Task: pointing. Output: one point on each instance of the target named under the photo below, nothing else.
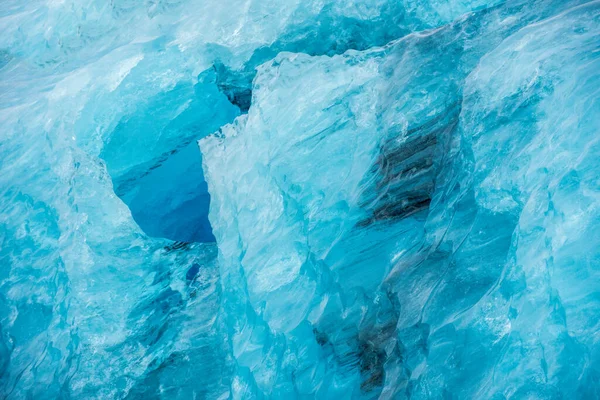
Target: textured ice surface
(403, 195)
(414, 220)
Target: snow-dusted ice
(300, 199)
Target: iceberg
(322, 199)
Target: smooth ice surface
(402, 199)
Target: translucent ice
(412, 220)
(403, 199)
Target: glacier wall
(402, 199)
(404, 221)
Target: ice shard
(383, 216)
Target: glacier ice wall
(405, 221)
(402, 199)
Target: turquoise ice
(286, 199)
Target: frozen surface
(402, 195)
(418, 220)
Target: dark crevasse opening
(172, 200)
(156, 166)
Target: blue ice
(299, 199)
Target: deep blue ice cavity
(172, 199)
(154, 162)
